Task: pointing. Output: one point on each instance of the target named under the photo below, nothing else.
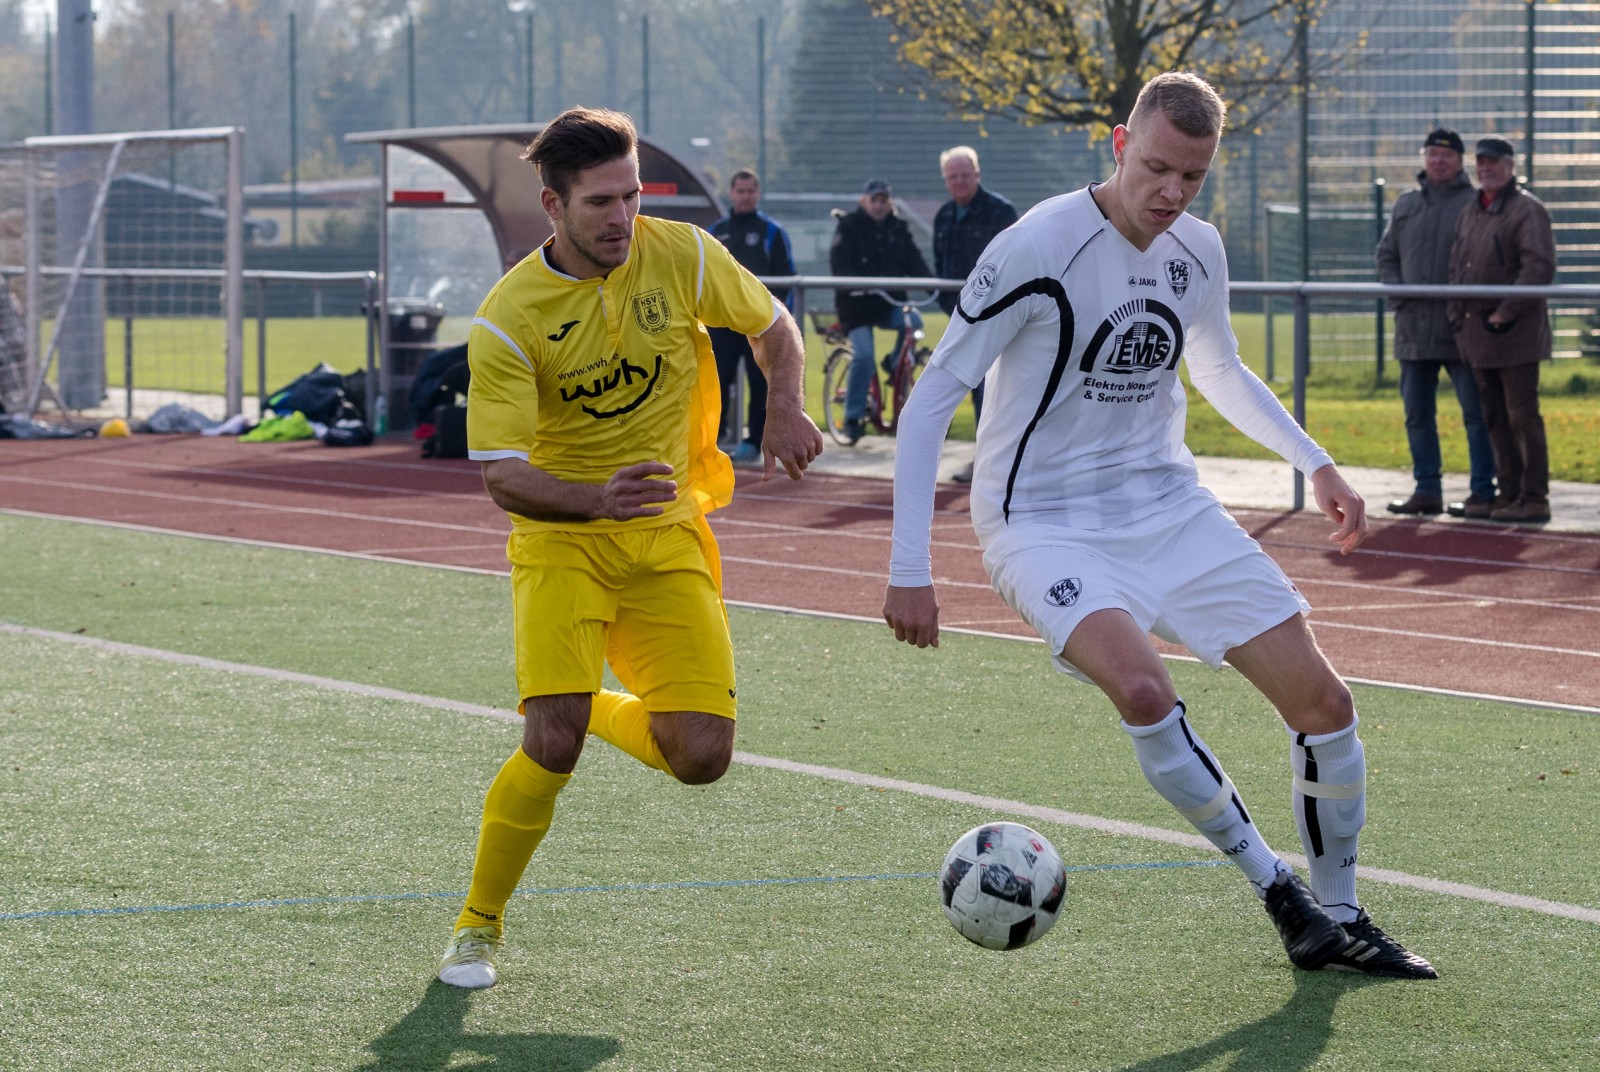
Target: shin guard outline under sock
(516, 815)
(1330, 808)
(1183, 770)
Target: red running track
(1477, 609)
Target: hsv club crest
(651, 313)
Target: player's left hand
(1341, 503)
(790, 439)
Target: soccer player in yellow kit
(594, 410)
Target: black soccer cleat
(1311, 937)
(1371, 952)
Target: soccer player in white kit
(1094, 525)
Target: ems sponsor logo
(651, 313)
(1139, 337)
(1064, 593)
(619, 376)
(1178, 276)
(982, 280)
(1144, 346)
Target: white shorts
(1190, 575)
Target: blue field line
(641, 887)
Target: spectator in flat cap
(1415, 248)
(871, 241)
(1503, 236)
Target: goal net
(128, 293)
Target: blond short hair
(1188, 101)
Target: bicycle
(903, 367)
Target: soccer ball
(1002, 885)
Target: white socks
(1330, 806)
(1183, 770)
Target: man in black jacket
(760, 244)
(871, 241)
(964, 226)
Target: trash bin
(413, 334)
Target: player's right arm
(910, 606)
(633, 491)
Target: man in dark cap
(1503, 236)
(1415, 248)
(871, 241)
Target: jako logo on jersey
(1064, 593)
(983, 279)
(1178, 276)
(1140, 281)
(568, 326)
(1143, 335)
(651, 313)
(621, 376)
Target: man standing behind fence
(964, 226)
(1415, 248)
(1504, 236)
(761, 245)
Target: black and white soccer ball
(1002, 885)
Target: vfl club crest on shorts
(651, 313)
(1064, 593)
(1178, 276)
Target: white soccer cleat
(469, 959)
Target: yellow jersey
(580, 377)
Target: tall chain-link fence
(813, 93)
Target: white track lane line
(1520, 701)
(993, 804)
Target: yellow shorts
(647, 601)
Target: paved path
(1260, 484)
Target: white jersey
(1076, 335)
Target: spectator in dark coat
(963, 228)
(871, 241)
(1415, 248)
(1504, 236)
(760, 244)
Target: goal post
(134, 228)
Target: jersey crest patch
(983, 279)
(651, 313)
(1178, 276)
(1064, 593)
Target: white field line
(993, 804)
(247, 504)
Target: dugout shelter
(432, 263)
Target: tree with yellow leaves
(1080, 63)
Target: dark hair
(576, 140)
(744, 173)
(1188, 102)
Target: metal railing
(1302, 294)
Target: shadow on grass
(1290, 1039)
(433, 1035)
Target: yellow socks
(516, 815)
(622, 720)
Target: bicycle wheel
(906, 370)
(835, 379)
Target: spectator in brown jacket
(1504, 237)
